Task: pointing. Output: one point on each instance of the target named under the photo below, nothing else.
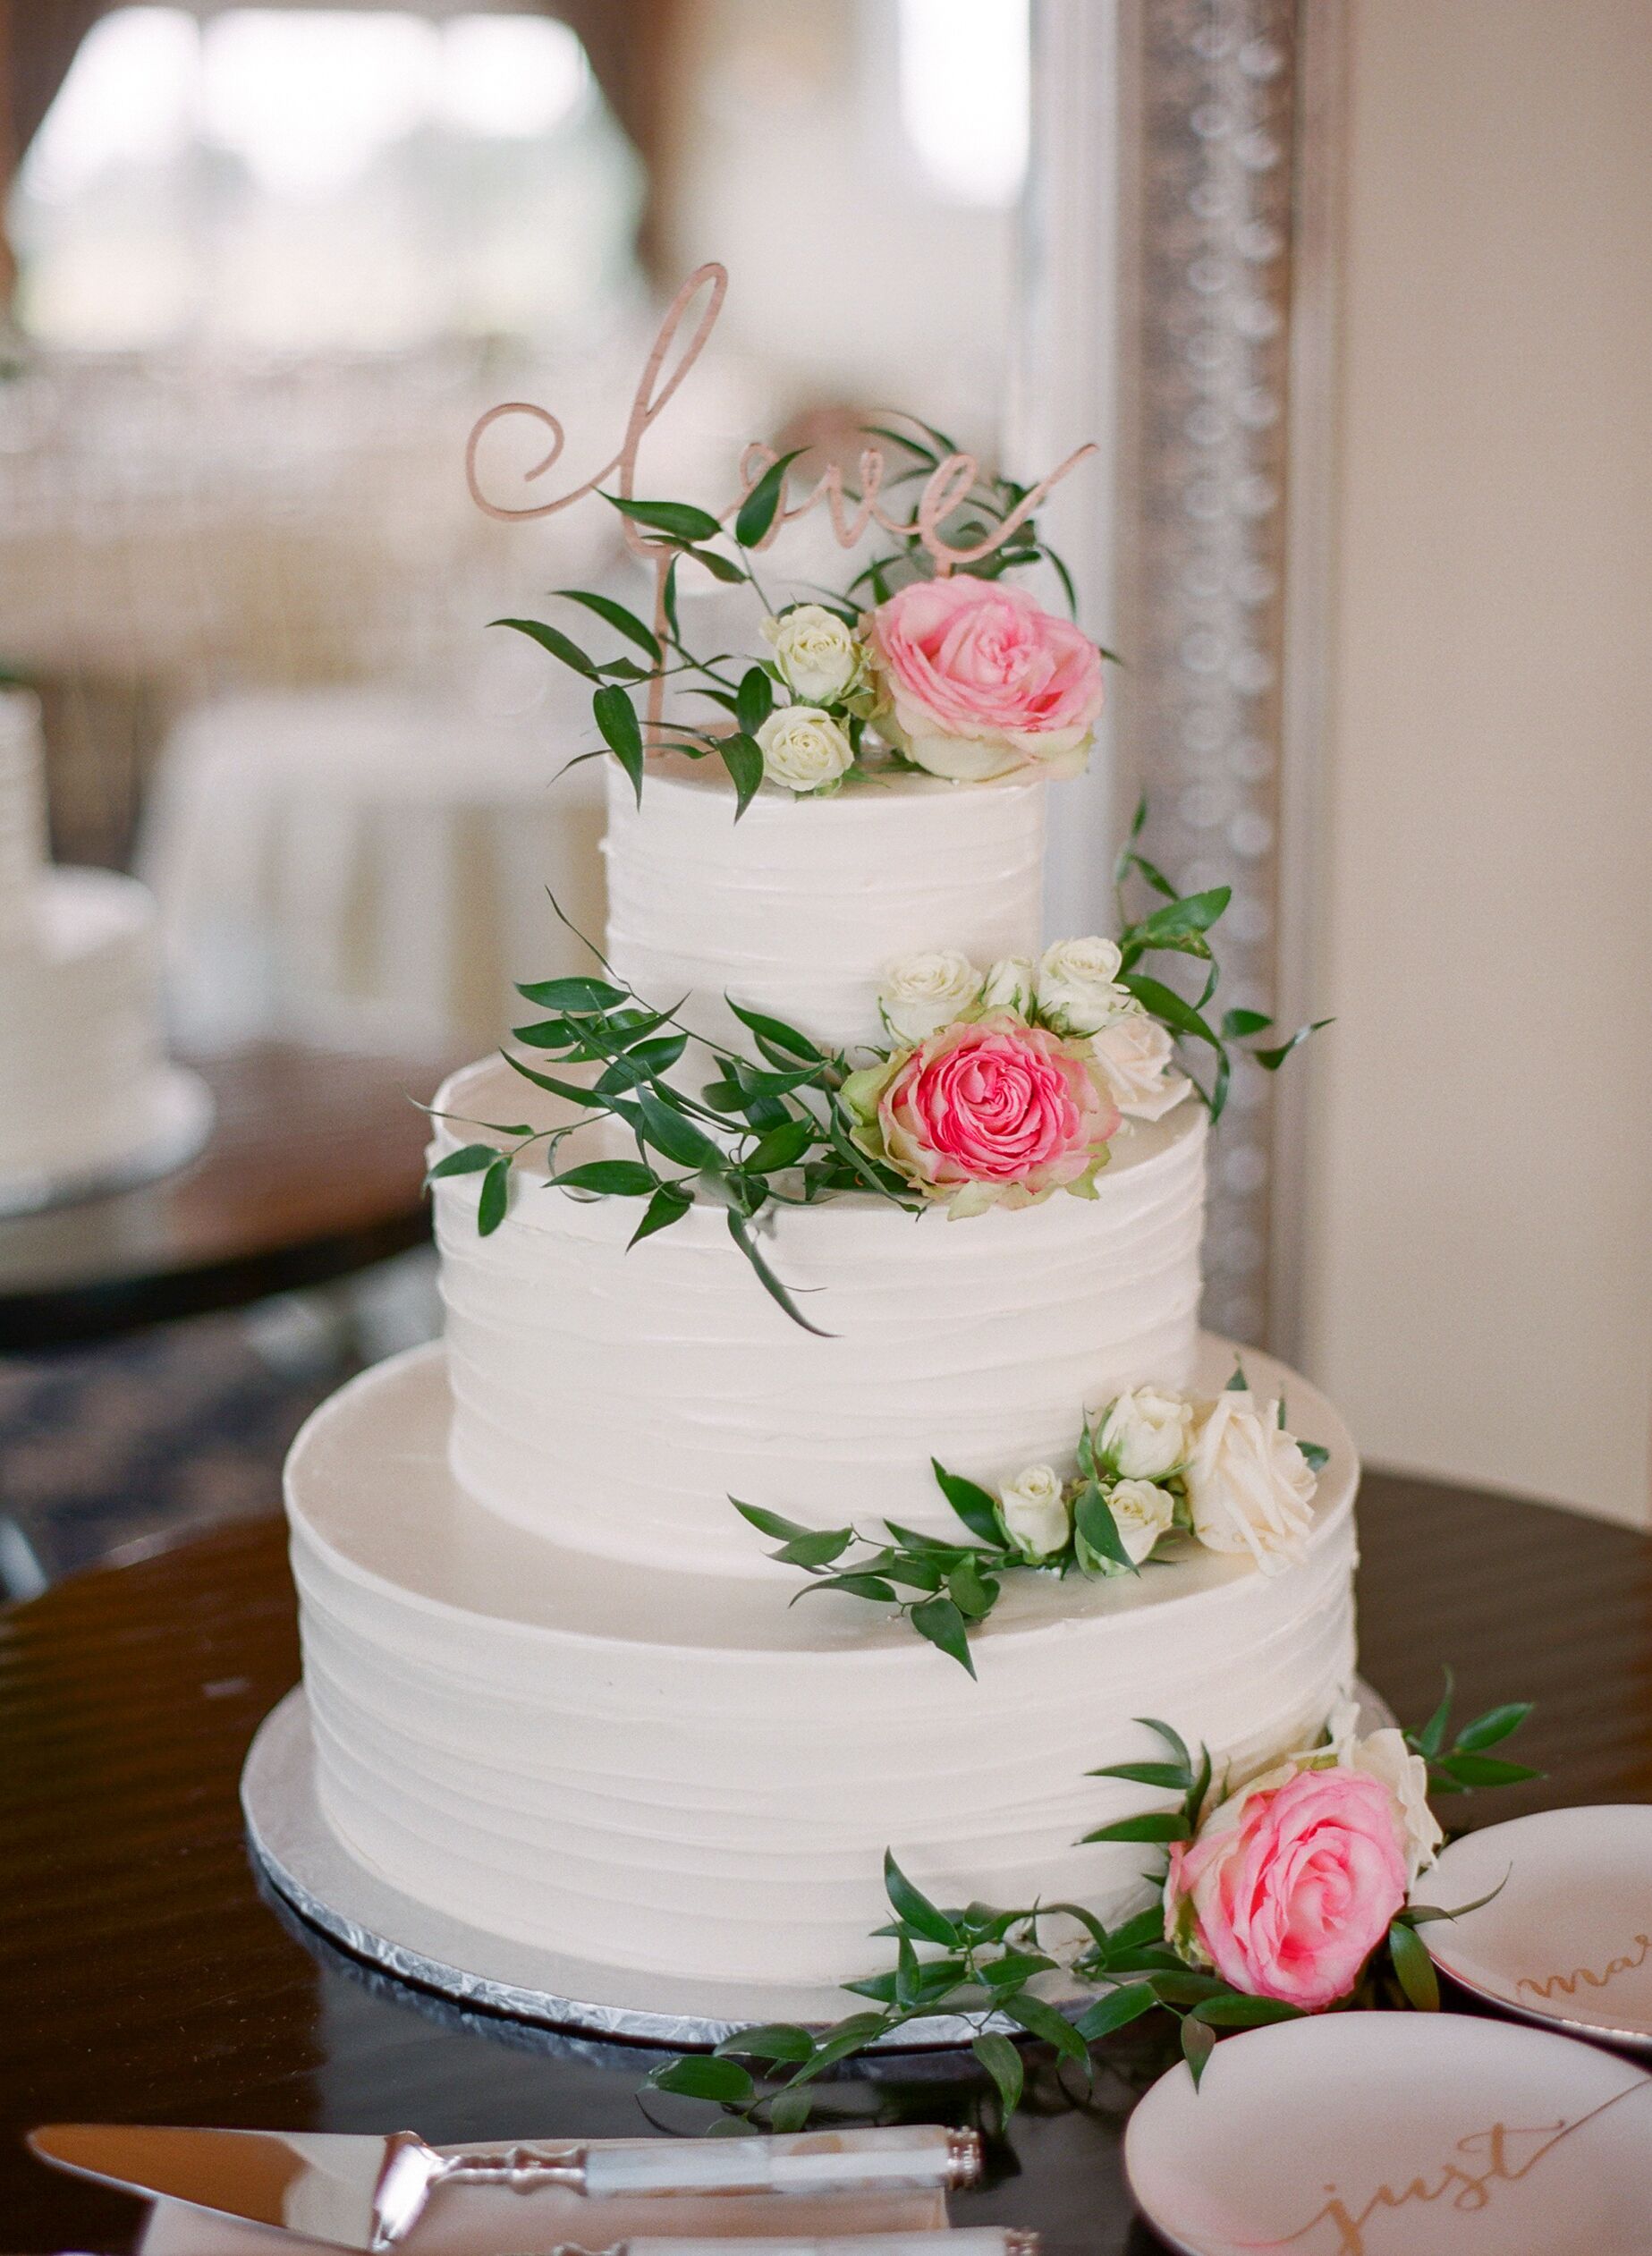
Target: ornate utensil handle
(922, 2157)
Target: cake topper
(950, 483)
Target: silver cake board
(184, 1115)
(356, 1908)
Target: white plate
(1569, 1939)
(1398, 2135)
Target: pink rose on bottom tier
(986, 1112)
(1290, 1884)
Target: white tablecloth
(368, 867)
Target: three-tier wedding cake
(832, 1238)
(87, 1099)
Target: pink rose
(986, 1111)
(1290, 1886)
(976, 680)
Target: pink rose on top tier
(986, 1112)
(975, 681)
(1290, 1886)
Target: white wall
(1480, 1296)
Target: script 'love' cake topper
(968, 678)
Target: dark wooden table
(144, 1976)
(314, 1170)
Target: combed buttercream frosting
(614, 1402)
(796, 909)
(682, 1774)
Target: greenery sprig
(953, 1586)
(978, 1964)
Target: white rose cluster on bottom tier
(660, 1773)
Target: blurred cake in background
(87, 1099)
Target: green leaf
(755, 701)
(720, 567)
(581, 996)
(973, 1593)
(775, 1031)
(1174, 1776)
(940, 1621)
(680, 520)
(910, 1904)
(1114, 2011)
(1198, 2043)
(668, 1130)
(789, 2110)
(1431, 1738)
(1178, 921)
(1485, 1770)
(1003, 2064)
(819, 1547)
(1414, 1967)
(705, 2076)
(758, 509)
(744, 762)
(1238, 2012)
(616, 718)
(668, 602)
(1164, 1003)
(494, 1196)
(1015, 1968)
(619, 618)
(772, 1523)
(1420, 1915)
(770, 2040)
(1487, 1730)
(766, 1278)
(611, 1178)
(1315, 1456)
(1040, 2020)
(1271, 1060)
(1151, 1825)
(1174, 1740)
(871, 1587)
(470, 1159)
(1237, 1024)
(1094, 1525)
(974, 1506)
(668, 1205)
(782, 1147)
(555, 642)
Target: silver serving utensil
(368, 2193)
(973, 2240)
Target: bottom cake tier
(688, 1777)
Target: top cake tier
(797, 908)
(22, 811)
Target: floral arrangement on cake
(952, 670)
(1158, 1470)
(998, 1087)
(1289, 1891)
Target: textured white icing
(82, 1073)
(682, 1775)
(614, 1402)
(797, 908)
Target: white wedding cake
(87, 1098)
(556, 1686)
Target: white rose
(920, 994)
(820, 659)
(1248, 1486)
(1147, 1433)
(1078, 992)
(1036, 1516)
(804, 748)
(1133, 1055)
(1385, 1756)
(1010, 984)
(1142, 1512)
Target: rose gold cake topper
(943, 492)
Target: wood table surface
(314, 1170)
(145, 1976)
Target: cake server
(368, 2192)
(974, 2240)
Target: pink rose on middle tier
(977, 681)
(986, 1112)
(1290, 1886)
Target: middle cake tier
(612, 1402)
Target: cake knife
(973, 2240)
(368, 2193)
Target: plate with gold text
(1398, 2135)
(1567, 1939)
